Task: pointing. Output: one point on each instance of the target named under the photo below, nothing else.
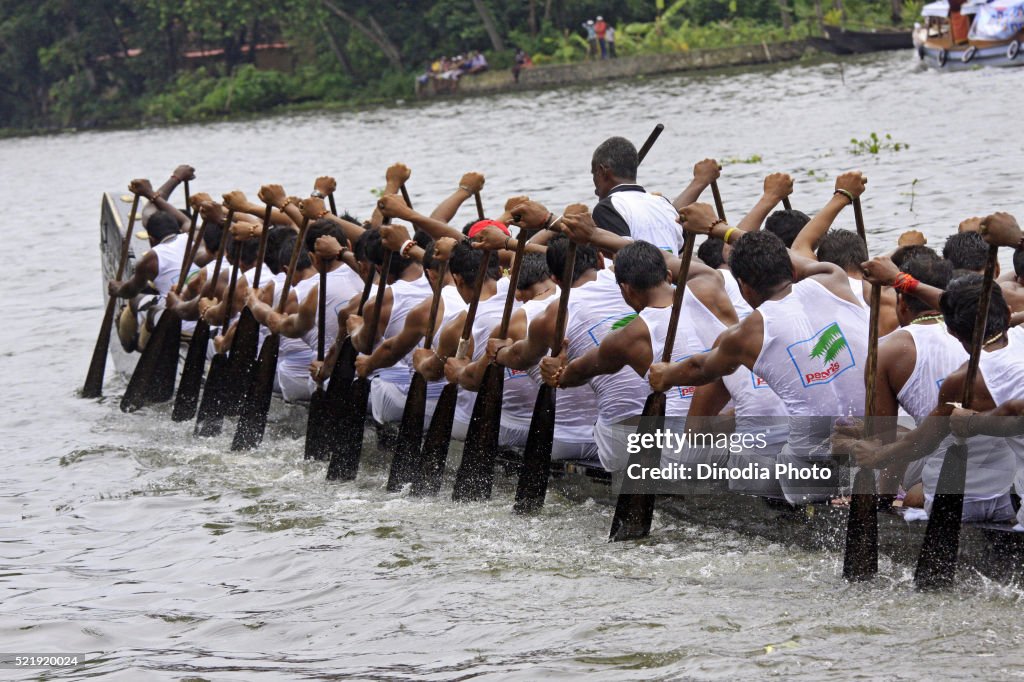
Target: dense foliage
(99, 62)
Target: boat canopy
(938, 9)
(999, 20)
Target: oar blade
(241, 361)
(187, 399)
(210, 416)
(533, 477)
(475, 477)
(344, 464)
(936, 564)
(325, 432)
(252, 420)
(427, 483)
(140, 387)
(161, 387)
(314, 446)
(860, 561)
(93, 386)
(635, 511)
(406, 461)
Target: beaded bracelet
(905, 283)
(845, 193)
(711, 228)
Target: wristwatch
(317, 193)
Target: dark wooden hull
(847, 41)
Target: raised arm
(469, 184)
(736, 346)
(396, 175)
(393, 206)
(777, 186)
(848, 187)
(704, 173)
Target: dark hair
(1018, 262)
(375, 254)
(966, 251)
(710, 252)
(422, 239)
(558, 248)
(285, 254)
(930, 269)
(533, 269)
(350, 218)
(249, 251)
(471, 223)
(844, 248)
(618, 155)
(465, 262)
(359, 248)
(641, 265)
(905, 253)
(959, 306)
(162, 225)
(278, 235)
(211, 237)
(760, 260)
(324, 228)
(786, 224)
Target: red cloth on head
(479, 225)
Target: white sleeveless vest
(520, 392)
(650, 218)
(296, 354)
(677, 399)
(596, 308)
(169, 257)
(1003, 373)
(405, 296)
(732, 290)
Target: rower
(807, 339)
(535, 290)
(999, 379)
(531, 335)
(406, 288)
(912, 364)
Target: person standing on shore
(609, 39)
(600, 29)
(588, 26)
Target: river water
(165, 557)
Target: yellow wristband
(728, 233)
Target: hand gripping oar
(345, 465)
(252, 420)
(213, 406)
(533, 477)
(314, 448)
(475, 477)
(406, 462)
(860, 561)
(191, 382)
(936, 564)
(634, 511)
(93, 387)
(153, 378)
(435, 445)
(246, 340)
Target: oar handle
(677, 298)
(385, 268)
(321, 321)
(478, 285)
(405, 195)
(126, 245)
(367, 287)
(563, 298)
(190, 256)
(651, 139)
(435, 304)
(287, 287)
(230, 298)
(871, 366)
(479, 205)
(513, 281)
(188, 207)
(980, 322)
(186, 261)
(858, 217)
(261, 254)
(786, 204)
(330, 202)
(223, 245)
(719, 206)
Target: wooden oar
(860, 561)
(406, 462)
(93, 387)
(345, 466)
(191, 382)
(634, 511)
(252, 420)
(535, 472)
(719, 206)
(335, 395)
(533, 475)
(936, 564)
(314, 448)
(246, 340)
(188, 207)
(153, 378)
(212, 407)
(786, 204)
(475, 477)
(435, 445)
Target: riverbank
(599, 71)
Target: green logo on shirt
(830, 344)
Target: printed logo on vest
(515, 373)
(609, 324)
(685, 392)
(757, 381)
(823, 357)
